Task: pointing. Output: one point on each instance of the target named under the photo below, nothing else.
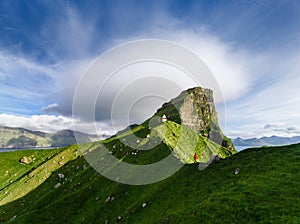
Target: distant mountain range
(271, 141)
(23, 138)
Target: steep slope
(188, 124)
(264, 191)
(18, 179)
(174, 138)
(184, 142)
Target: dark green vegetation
(266, 190)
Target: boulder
(236, 171)
(61, 176)
(57, 185)
(25, 160)
(109, 199)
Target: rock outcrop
(195, 108)
(198, 110)
(26, 160)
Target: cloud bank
(51, 123)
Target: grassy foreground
(266, 190)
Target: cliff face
(198, 110)
(195, 109)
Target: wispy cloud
(23, 81)
(70, 34)
(273, 99)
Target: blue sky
(252, 48)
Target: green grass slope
(184, 142)
(266, 190)
(17, 179)
(166, 137)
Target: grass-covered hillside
(23, 138)
(178, 139)
(17, 178)
(266, 190)
(60, 186)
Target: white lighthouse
(164, 118)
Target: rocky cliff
(195, 109)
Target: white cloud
(274, 102)
(44, 123)
(69, 34)
(257, 131)
(231, 67)
(51, 123)
(15, 64)
(227, 64)
(24, 82)
(51, 108)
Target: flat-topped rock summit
(195, 109)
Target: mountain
(23, 138)
(60, 186)
(191, 127)
(273, 141)
(195, 109)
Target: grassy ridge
(164, 139)
(265, 191)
